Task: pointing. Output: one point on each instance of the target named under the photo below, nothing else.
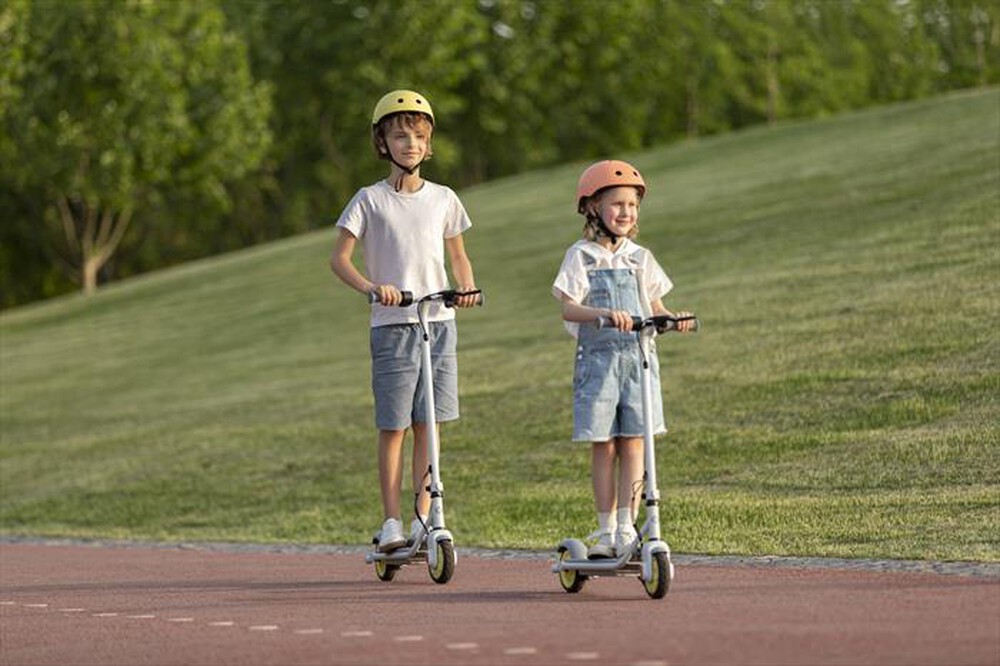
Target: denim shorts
(607, 392)
(396, 380)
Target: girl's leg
(602, 471)
(390, 470)
(631, 464)
(419, 471)
(603, 475)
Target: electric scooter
(434, 543)
(648, 555)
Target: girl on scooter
(606, 274)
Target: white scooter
(434, 543)
(648, 555)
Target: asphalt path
(103, 603)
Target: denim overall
(607, 380)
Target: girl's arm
(659, 309)
(461, 270)
(582, 314)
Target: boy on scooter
(406, 225)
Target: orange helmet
(608, 173)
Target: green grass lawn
(840, 400)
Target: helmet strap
(407, 171)
(602, 229)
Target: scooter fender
(432, 550)
(648, 549)
(576, 549)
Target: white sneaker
(416, 530)
(391, 537)
(624, 538)
(605, 546)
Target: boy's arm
(461, 270)
(340, 263)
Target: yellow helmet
(401, 100)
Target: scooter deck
(601, 567)
(402, 555)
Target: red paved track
(69, 604)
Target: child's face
(619, 209)
(408, 142)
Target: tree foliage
(191, 128)
(119, 102)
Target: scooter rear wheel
(443, 570)
(384, 571)
(659, 582)
(571, 580)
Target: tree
(121, 103)
(967, 36)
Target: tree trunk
(773, 86)
(92, 235)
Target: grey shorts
(396, 380)
(607, 392)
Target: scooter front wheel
(659, 581)
(571, 579)
(444, 568)
(384, 571)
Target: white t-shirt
(584, 256)
(403, 238)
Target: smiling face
(618, 208)
(406, 137)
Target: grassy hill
(841, 399)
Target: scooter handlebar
(663, 323)
(448, 297)
(407, 301)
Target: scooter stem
(646, 336)
(436, 518)
(649, 450)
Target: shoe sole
(391, 546)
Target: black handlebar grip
(407, 298)
(453, 295)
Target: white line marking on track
(308, 631)
(408, 639)
(72, 610)
(145, 616)
(355, 634)
(583, 656)
(8, 603)
(652, 662)
(36, 605)
(180, 619)
(462, 646)
(264, 627)
(105, 615)
(521, 650)
(222, 623)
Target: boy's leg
(420, 480)
(390, 470)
